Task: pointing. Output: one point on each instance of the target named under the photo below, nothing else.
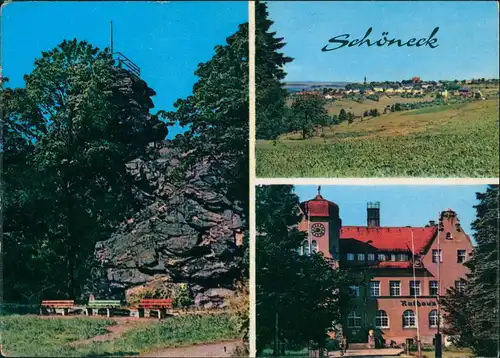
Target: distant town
(414, 87)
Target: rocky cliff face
(188, 232)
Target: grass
(32, 336)
(434, 109)
(454, 141)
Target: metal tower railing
(123, 61)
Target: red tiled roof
(318, 206)
(390, 238)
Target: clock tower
(322, 223)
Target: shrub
(182, 297)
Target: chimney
(373, 214)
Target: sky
(467, 39)
(400, 205)
(167, 40)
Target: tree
(302, 292)
(350, 117)
(342, 115)
(269, 62)
(85, 119)
(466, 313)
(217, 118)
(309, 112)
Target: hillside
(450, 140)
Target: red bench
(159, 305)
(53, 304)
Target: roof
(389, 238)
(318, 207)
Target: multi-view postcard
(377, 89)
(122, 233)
(173, 179)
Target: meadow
(33, 336)
(452, 140)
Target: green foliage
(271, 118)
(183, 297)
(466, 316)
(217, 116)
(304, 291)
(69, 133)
(309, 112)
(342, 115)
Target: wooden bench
(159, 305)
(65, 305)
(94, 306)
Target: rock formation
(187, 232)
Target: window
(305, 248)
(375, 288)
(433, 288)
(448, 236)
(314, 246)
(409, 319)
(350, 257)
(461, 256)
(353, 320)
(381, 257)
(435, 255)
(393, 257)
(361, 257)
(381, 320)
(433, 318)
(354, 290)
(395, 288)
(371, 257)
(402, 257)
(414, 288)
(460, 285)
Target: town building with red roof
(405, 269)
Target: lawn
(37, 337)
(450, 141)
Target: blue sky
(467, 38)
(400, 205)
(166, 40)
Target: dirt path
(220, 349)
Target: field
(86, 337)
(454, 140)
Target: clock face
(318, 230)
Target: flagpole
(415, 295)
(437, 340)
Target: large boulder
(186, 232)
